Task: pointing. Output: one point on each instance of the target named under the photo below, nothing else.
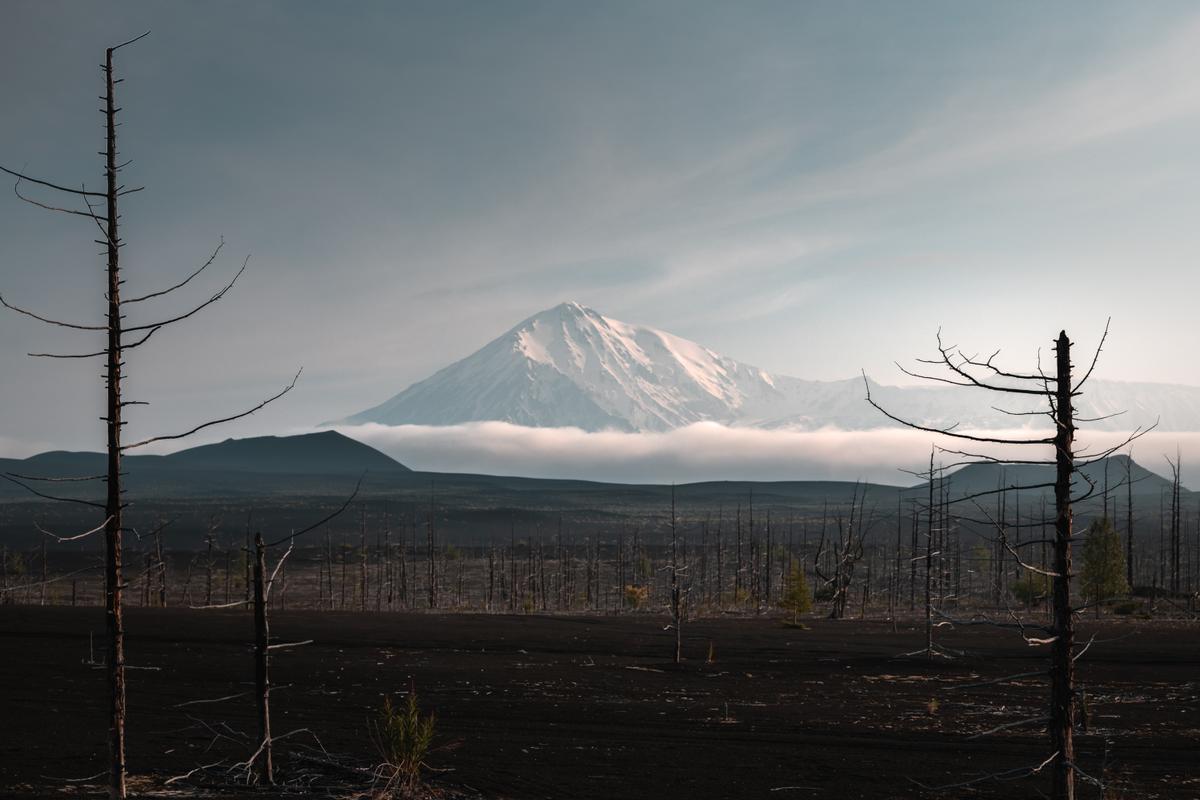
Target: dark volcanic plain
(591, 707)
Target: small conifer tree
(1103, 575)
(797, 598)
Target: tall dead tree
(262, 686)
(263, 758)
(1129, 521)
(844, 553)
(676, 588)
(101, 209)
(1058, 390)
(1175, 529)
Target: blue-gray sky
(809, 187)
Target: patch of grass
(636, 596)
(1127, 608)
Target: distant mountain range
(287, 482)
(571, 366)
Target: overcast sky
(809, 187)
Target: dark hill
(984, 477)
(263, 465)
(325, 453)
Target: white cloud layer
(705, 451)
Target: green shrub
(1031, 588)
(403, 737)
(1103, 575)
(797, 598)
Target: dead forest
(325, 659)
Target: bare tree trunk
(737, 575)
(720, 563)
(342, 557)
(329, 569)
(1062, 677)
(388, 570)
(208, 568)
(380, 561)
(162, 569)
(929, 569)
(912, 564)
(767, 561)
(283, 583)
(433, 578)
(676, 598)
(113, 506)
(262, 685)
(246, 559)
(362, 546)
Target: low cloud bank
(706, 451)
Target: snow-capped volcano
(571, 366)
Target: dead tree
(676, 588)
(262, 687)
(362, 547)
(720, 561)
(1175, 529)
(844, 553)
(101, 210)
(247, 557)
(1129, 521)
(263, 757)
(162, 567)
(1058, 390)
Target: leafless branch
(214, 700)
(76, 538)
(233, 604)
(49, 321)
(209, 424)
(182, 283)
(1095, 357)
(57, 480)
(1020, 675)
(45, 496)
(195, 310)
(1003, 535)
(947, 431)
(24, 177)
(99, 353)
(1008, 725)
(328, 518)
(131, 41)
(190, 773)
(32, 202)
(23, 586)
(1007, 775)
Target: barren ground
(587, 707)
